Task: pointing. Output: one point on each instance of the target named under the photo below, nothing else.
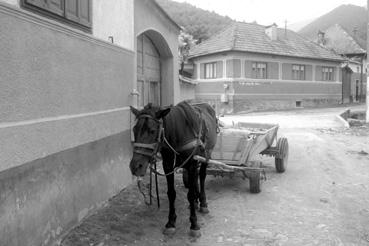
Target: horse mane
(190, 115)
(149, 109)
(181, 122)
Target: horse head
(147, 132)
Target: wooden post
(367, 68)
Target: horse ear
(134, 111)
(162, 113)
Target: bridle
(151, 150)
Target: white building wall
(114, 18)
(12, 2)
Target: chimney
(321, 38)
(271, 31)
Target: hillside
(348, 16)
(201, 24)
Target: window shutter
(248, 69)
(308, 72)
(38, 3)
(236, 68)
(219, 69)
(53, 6)
(286, 71)
(56, 7)
(85, 12)
(78, 11)
(194, 74)
(318, 73)
(202, 70)
(334, 74)
(272, 70)
(229, 68)
(71, 10)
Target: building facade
(252, 67)
(353, 51)
(69, 72)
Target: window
(210, 70)
(298, 72)
(73, 12)
(327, 73)
(259, 70)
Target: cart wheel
(254, 181)
(281, 159)
(185, 178)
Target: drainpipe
(362, 79)
(367, 73)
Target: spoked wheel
(185, 178)
(281, 159)
(254, 181)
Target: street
(321, 199)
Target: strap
(143, 152)
(146, 146)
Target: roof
(337, 38)
(250, 37)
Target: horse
(178, 133)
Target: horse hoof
(195, 233)
(169, 231)
(204, 210)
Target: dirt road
(322, 198)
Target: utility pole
(366, 65)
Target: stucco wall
(114, 18)
(164, 34)
(242, 94)
(110, 18)
(64, 125)
(12, 2)
(187, 91)
(272, 61)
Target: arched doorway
(156, 70)
(148, 72)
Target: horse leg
(170, 227)
(191, 196)
(203, 204)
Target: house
(353, 50)
(69, 72)
(249, 66)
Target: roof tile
(241, 36)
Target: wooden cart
(237, 146)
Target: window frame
(299, 73)
(60, 18)
(213, 70)
(258, 72)
(328, 75)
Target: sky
(266, 12)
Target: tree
(185, 41)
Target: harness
(152, 149)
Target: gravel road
(322, 198)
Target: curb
(342, 120)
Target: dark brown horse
(178, 133)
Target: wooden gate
(346, 84)
(148, 72)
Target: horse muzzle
(138, 167)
